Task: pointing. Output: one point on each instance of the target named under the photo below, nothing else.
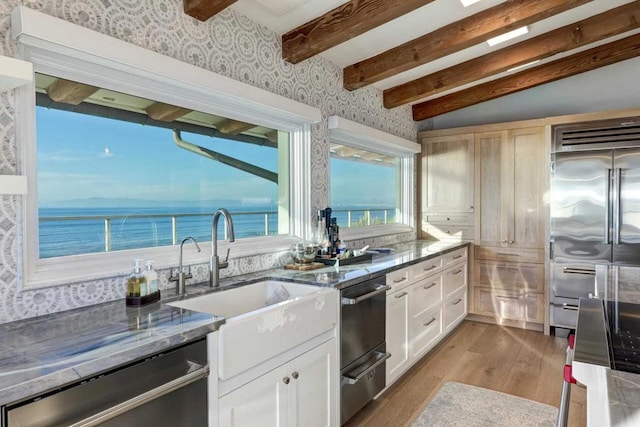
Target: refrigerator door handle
(617, 219)
(607, 210)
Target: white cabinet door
(262, 402)
(312, 387)
(397, 333)
(300, 393)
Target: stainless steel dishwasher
(362, 344)
(167, 389)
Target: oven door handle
(352, 378)
(356, 300)
(153, 394)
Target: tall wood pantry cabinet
(488, 187)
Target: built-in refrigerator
(594, 208)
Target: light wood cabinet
(447, 174)
(509, 167)
(298, 393)
(397, 333)
(505, 220)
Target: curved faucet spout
(215, 265)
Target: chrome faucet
(215, 264)
(182, 277)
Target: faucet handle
(225, 263)
(174, 276)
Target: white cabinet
(298, 393)
(422, 306)
(397, 333)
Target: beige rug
(462, 405)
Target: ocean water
(149, 227)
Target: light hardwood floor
(514, 361)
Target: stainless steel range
(362, 345)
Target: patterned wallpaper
(229, 44)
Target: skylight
(508, 36)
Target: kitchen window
(63, 51)
(118, 172)
(371, 177)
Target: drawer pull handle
(571, 307)
(430, 268)
(429, 322)
(401, 295)
(457, 257)
(457, 272)
(506, 297)
(402, 279)
(457, 302)
(506, 254)
(430, 286)
(587, 271)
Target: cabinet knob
(295, 375)
(286, 380)
(470, 207)
(509, 241)
(448, 219)
(504, 241)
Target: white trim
(356, 135)
(358, 233)
(13, 184)
(62, 49)
(14, 73)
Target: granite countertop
(40, 354)
(623, 391)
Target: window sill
(83, 268)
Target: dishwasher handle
(153, 394)
(352, 378)
(358, 299)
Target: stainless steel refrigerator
(594, 208)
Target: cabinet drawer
(524, 306)
(399, 279)
(454, 257)
(455, 309)
(425, 294)
(447, 233)
(426, 268)
(454, 278)
(443, 219)
(510, 276)
(509, 254)
(425, 329)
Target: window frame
(346, 132)
(63, 49)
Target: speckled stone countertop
(40, 354)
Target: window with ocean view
(364, 187)
(118, 172)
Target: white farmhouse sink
(265, 319)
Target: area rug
(462, 405)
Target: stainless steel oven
(169, 388)
(362, 344)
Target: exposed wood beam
(165, 112)
(341, 24)
(70, 92)
(599, 27)
(205, 9)
(234, 127)
(587, 60)
(452, 38)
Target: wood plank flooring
(514, 361)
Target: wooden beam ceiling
(587, 60)
(165, 112)
(452, 38)
(341, 24)
(69, 92)
(205, 9)
(234, 127)
(599, 27)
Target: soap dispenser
(152, 277)
(135, 280)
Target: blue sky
(82, 156)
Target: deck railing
(365, 217)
